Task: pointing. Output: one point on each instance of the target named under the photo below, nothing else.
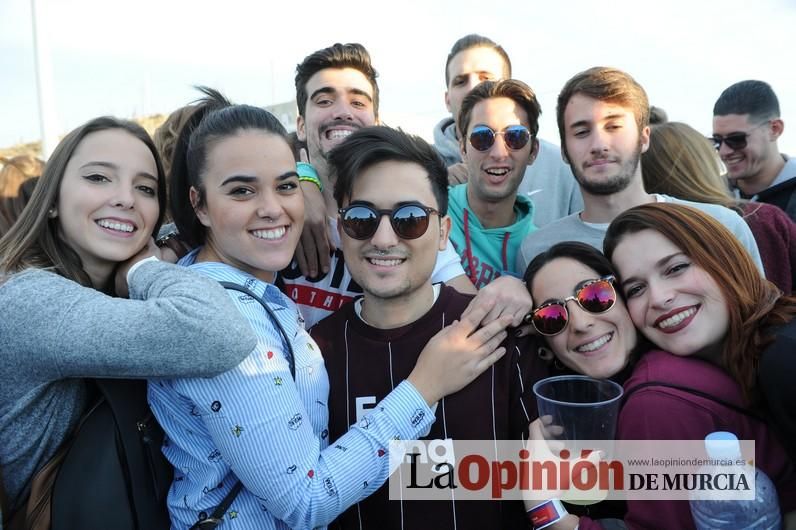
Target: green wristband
(307, 173)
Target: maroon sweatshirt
(661, 413)
(365, 364)
(775, 235)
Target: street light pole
(48, 120)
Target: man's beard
(615, 184)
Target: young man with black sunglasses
(499, 121)
(746, 127)
(603, 121)
(390, 235)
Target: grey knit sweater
(53, 332)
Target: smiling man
(390, 235)
(499, 121)
(603, 120)
(746, 127)
(472, 60)
(337, 94)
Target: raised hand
(457, 174)
(508, 297)
(312, 252)
(458, 354)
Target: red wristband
(545, 514)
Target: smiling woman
(667, 397)
(94, 211)
(585, 322)
(697, 299)
(95, 204)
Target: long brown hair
(682, 163)
(33, 241)
(754, 304)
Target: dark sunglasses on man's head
(409, 221)
(735, 140)
(595, 296)
(482, 138)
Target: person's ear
(645, 139)
(777, 128)
(444, 230)
(534, 151)
(463, 147)
(199, 209)
(564, 156)
(301, 132)
(448, 103)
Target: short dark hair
(604, 84)
(476, 41)
(371, 145)
(351, 55)
(752, 97)
(658, 116)
(214, 119)
(515, 90)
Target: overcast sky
(137, 58)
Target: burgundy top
(364, 363)
(661, 413)
(775, 234)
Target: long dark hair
(214, 119)
(33, 240)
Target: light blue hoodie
(487, 252)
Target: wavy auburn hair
(755, 305)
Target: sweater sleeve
(744, 235)
(776, 374)
(175, 324)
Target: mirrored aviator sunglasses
(482, 138)
(595, 296)
(409, 221)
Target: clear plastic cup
(579, 414)
(584, 408)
